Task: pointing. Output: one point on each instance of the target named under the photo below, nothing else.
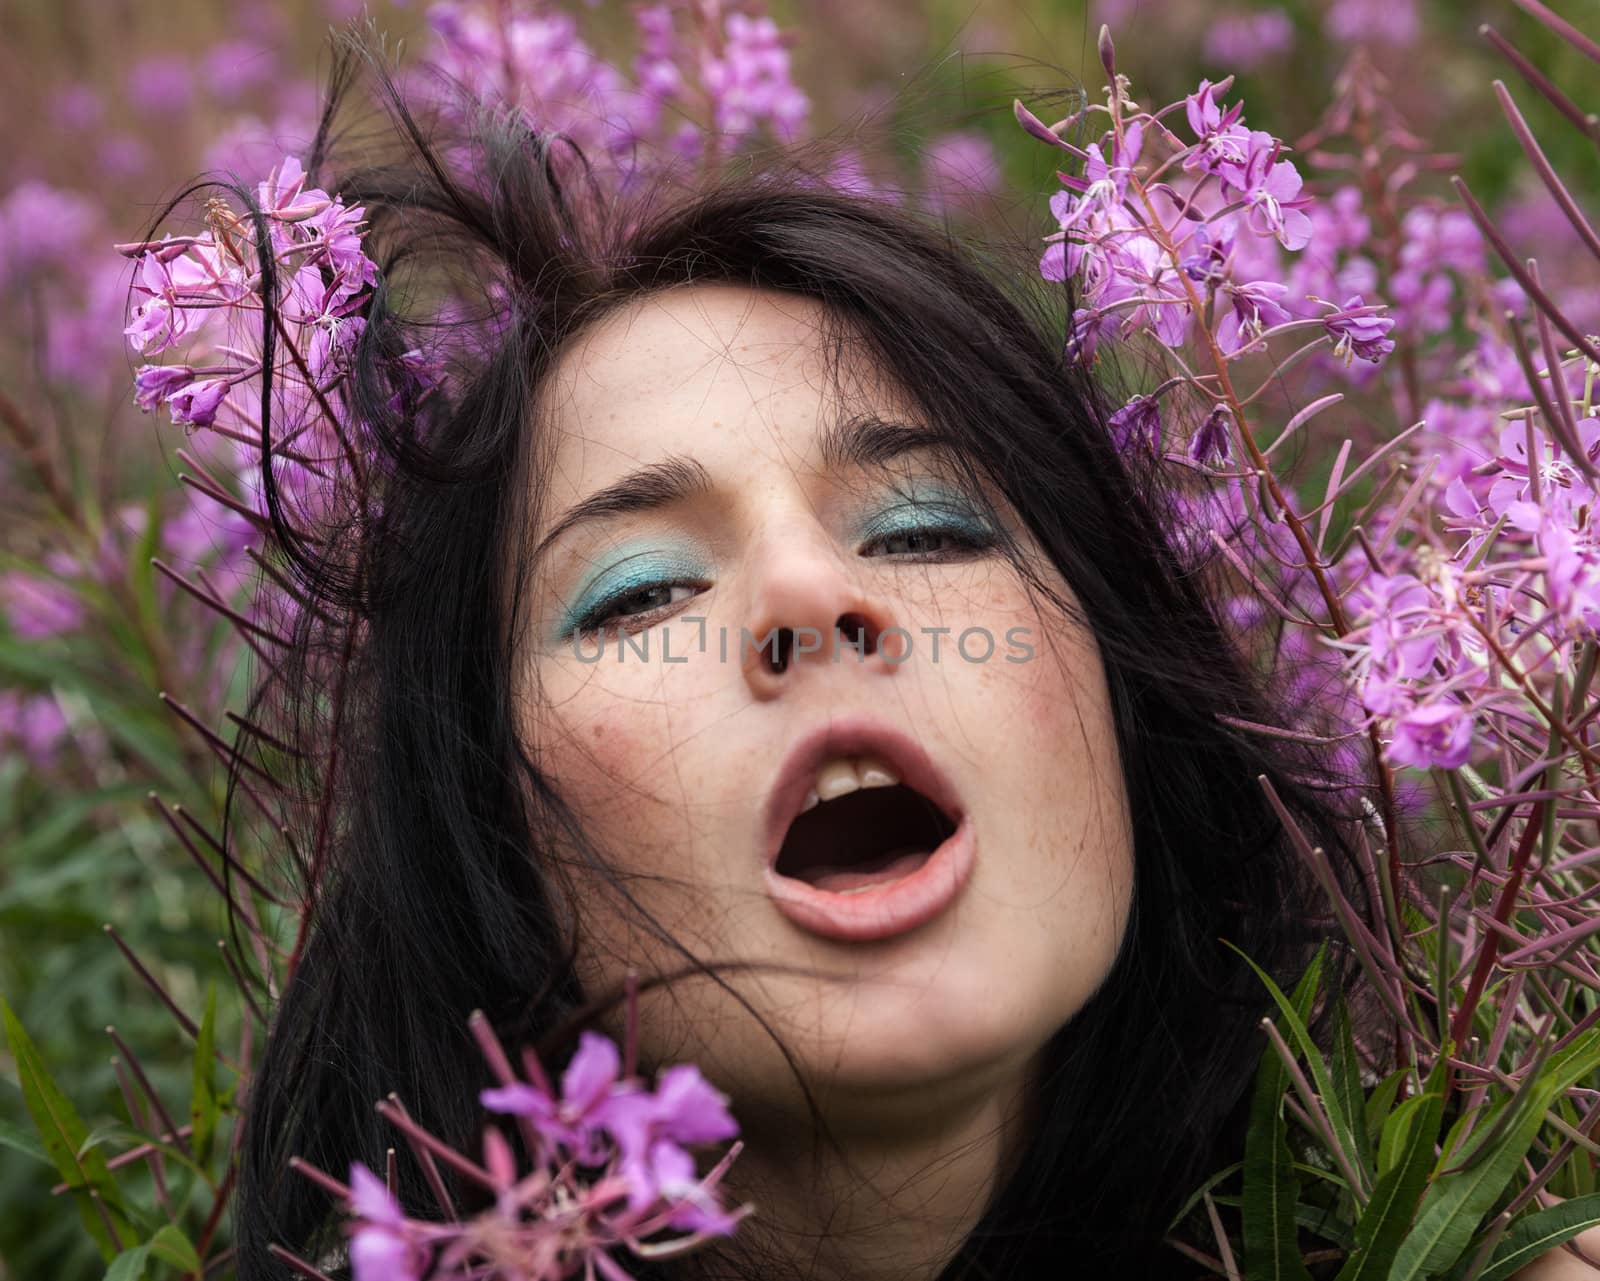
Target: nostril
(779, 649)
(858, 633)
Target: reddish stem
(1490, 948)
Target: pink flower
(1271, 189)
(1140, 268)
(1211, 442)
(1220, 139)
(1572, 574)
(1398, 607)
(1137, 425)
(161, 84)
(154, 383)
(578, 1118)
(1359, 330)
(32, 724)
(1249, 310)
(1244, 41)
(380, 1246)
(41, 228)
(1433, 734)
(1379, 22)
(959, 167)
(198, 402)
(39, 608)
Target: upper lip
(852, 736)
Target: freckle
(599, 731)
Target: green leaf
(204, 1105)
(67, 815)
(171, 1246)
(1396, 1138)
(64, 1133)
(19, 1140)
(1380, 1103)
(1271, 1246)
(1347, 1085)
(1533, 1234)
(1456, 1203)
(1332, 1103)
(129, 1265)
(1387, 1218)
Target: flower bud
(1108, 52)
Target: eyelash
(605, 616)
(608, 616)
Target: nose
(808, 610)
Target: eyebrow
(861, 440)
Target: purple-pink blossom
(381, 1246)
(611, 1169)
(1212, 442)
(1360, 331)
(197, 403)
(32, 724)
(39, 608)
(1137, 425)
(1271, 189)
(1249, 310)
(958, 168)
(1244, 41)
(1432, 735)
(152, 384)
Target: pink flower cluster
(188, 288)
(610, 1172)
(1475, 583)
(733, 79)
(1196, 239)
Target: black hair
(431, 845)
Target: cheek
(621, 750)
(1072, 871)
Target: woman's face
(811, 718)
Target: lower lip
(882, 911)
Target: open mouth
(873, 835)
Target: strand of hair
(288, 587)
(267, 811)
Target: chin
(917, 1039)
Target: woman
(767, 611)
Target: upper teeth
(846, 774)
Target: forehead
(712, 370)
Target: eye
(927, 531)
(637, 607)
(922, 542)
